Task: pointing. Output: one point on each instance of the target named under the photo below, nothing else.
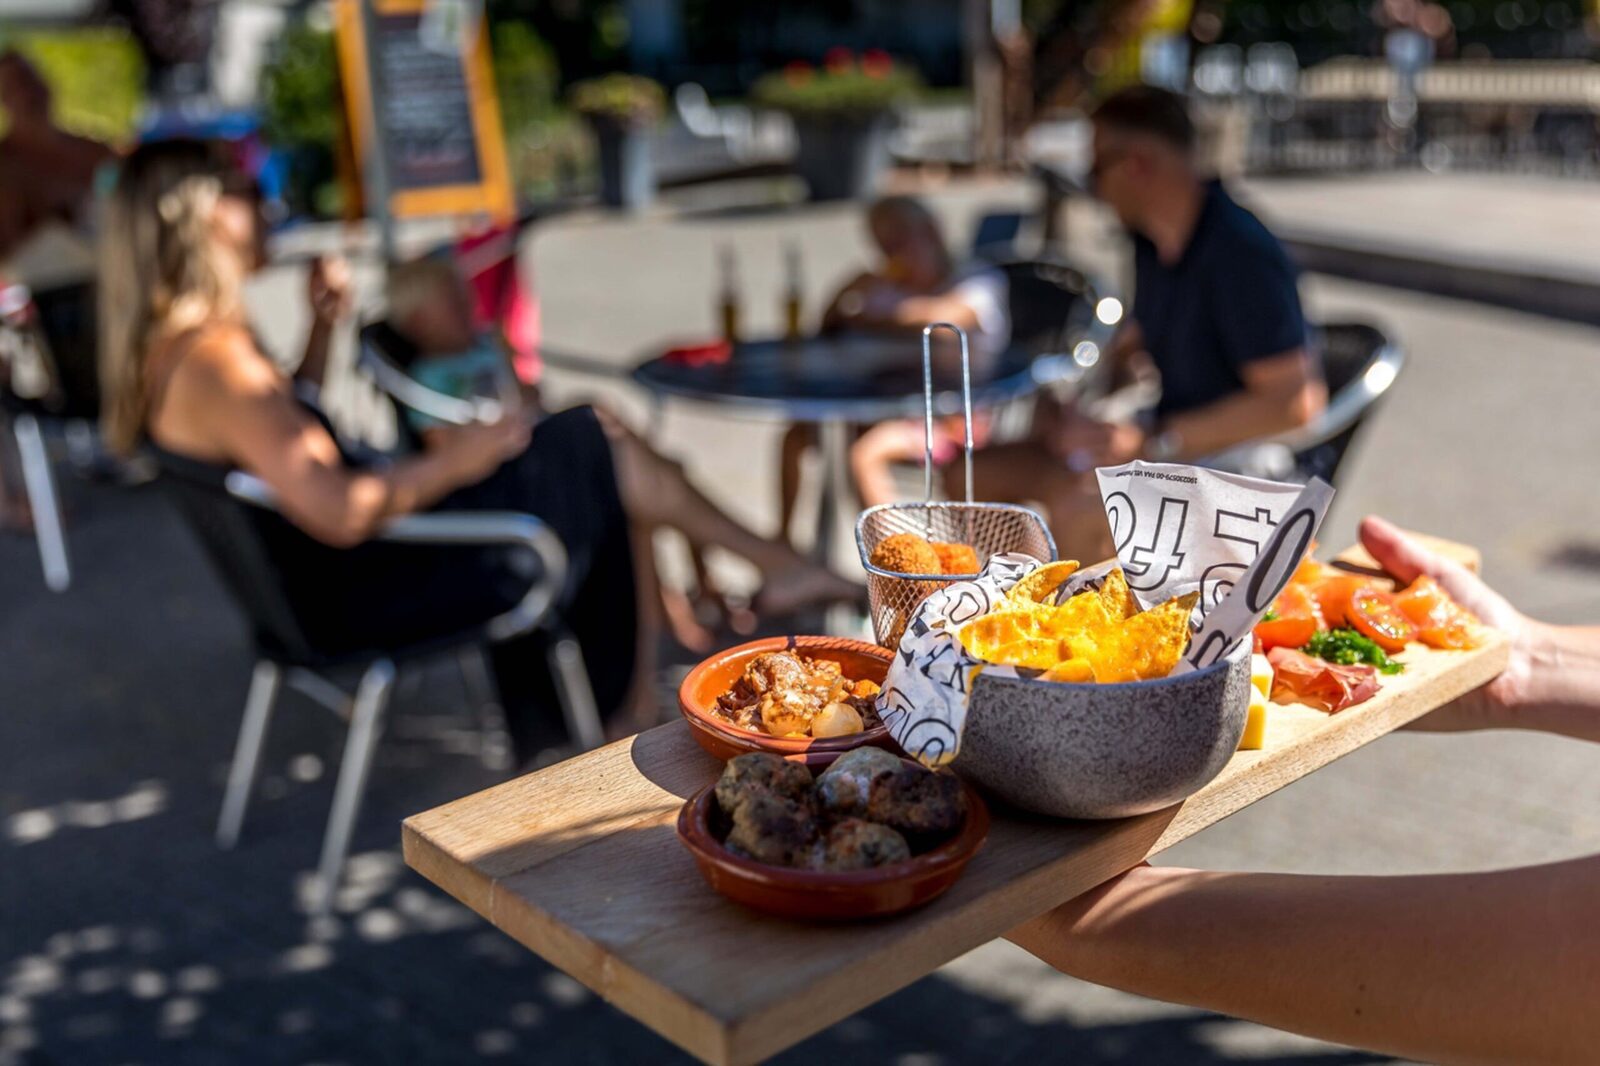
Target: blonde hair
(161, 273)
(415, 283)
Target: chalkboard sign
(437, 122)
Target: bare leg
(656, 492)
(639, 710)
(1025, 473)
(874, 453)
(797, 440)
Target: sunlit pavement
(125, 936)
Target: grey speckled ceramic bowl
(1104, 751)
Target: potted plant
(843, 114)
(623, 110)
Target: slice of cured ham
(1301, 678)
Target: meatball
(761, 773)
(845, 787)
(906, 553)
(917, 802)
(773, 829)
(854, 844)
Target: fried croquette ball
(956, 558)
(906, 553)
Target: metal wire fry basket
(990, 528)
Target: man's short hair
(1146, 109)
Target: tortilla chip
(982, 636)
(1117, 596)
(1039, 585)
(1069, 670)
(1141, 648)
(1035, 653)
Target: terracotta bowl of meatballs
(872, 835)
(807, 699)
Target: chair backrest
(387, 357)
(1359, 364)
(242, 542)
(1050, 303)
(63, 334)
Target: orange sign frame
(492, 195)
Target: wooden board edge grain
(460, 879)
(684, 1023)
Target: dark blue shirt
(1230, 299)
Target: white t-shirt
(981, 287)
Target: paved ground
(126, 937)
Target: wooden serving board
(579, 863)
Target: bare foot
(682, 623)
(805, 585)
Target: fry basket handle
(927, 401)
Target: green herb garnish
(1271, 615)
(1346, 647)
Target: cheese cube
(1261, 675)
(1255, 726)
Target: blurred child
(917, 282)
(430, 306)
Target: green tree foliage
(300, 90)
(97, 76)
(525, 76)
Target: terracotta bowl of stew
(697, 700)
(817, 895)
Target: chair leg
(366, 727)
(40, 483)
(484, 699)
(247, 751)
(576, 694)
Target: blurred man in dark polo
(1216, 316)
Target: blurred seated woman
(917, 282)
(430, 309)
(184, 375)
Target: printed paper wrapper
(1176, 528)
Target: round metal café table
(835, 382)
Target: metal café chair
(234, 516)
(1360, 364)
(48, 388)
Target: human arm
(1281, 392)
(328, 296)
(1552, 683)
(228, 401)
(1464, 968)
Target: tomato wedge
(1297, 601)
(1309, 572)
(1290, 632)
(1333, 597)
(1440, 621)
(1374, 615)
